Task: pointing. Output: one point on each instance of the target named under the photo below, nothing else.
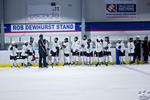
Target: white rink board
(74, 83)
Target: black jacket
(137, 44)
(145, 46)
(41, 47)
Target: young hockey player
(25, 53)
(131, 48)
(107, 51)
(31, 47)
(89, 51)
(75, 50)
(55, 51)
(46, 43)
(137, 50)
(121, 51)
(13, 53)
(66, 47)
(99, 51)
(83, 49)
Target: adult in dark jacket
(42, 52)
(137, 50)
(145, 46)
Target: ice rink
(114, 82)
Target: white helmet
(13, 42)
(138, 36)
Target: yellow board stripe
(60, 64)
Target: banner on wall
(43, 13)
(120, 8)
(42, 27)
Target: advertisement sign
(43, 13)
(120, 8)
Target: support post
(2, 35)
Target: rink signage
(120, 8)
(42, 27)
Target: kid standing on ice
(89, 51)
(131, 48)
(66, 47)
(13, 53)
(121, 51)
(107, 51)
(75, 50)
(25, 53)
(99, 51)
(83, 49)
(55, 51)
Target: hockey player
(107, 51)
(131, 48)
(99, 51)
(55, 51)
(137, 50)
(66, 47)
(31, 47)
(25, 53)
(89, 51)
(46, 43)
(121, 51)
(83, 49)
(13, 53)
(75, 50)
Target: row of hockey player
(83, 49)
(102, 50)
(27, 54)
(134, 49)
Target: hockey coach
(42, 52)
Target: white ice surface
(74, 83)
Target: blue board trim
(106, 26)
(112, 26)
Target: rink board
(5, 61)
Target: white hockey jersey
(75, 46)
(12, 50)
(83, 45)
(31, 47)
(99, 46)
(120, 46)
(67, 47)
(24, 50)
(131, 47)
(89, 48)
(54, 45)
(106, 46)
